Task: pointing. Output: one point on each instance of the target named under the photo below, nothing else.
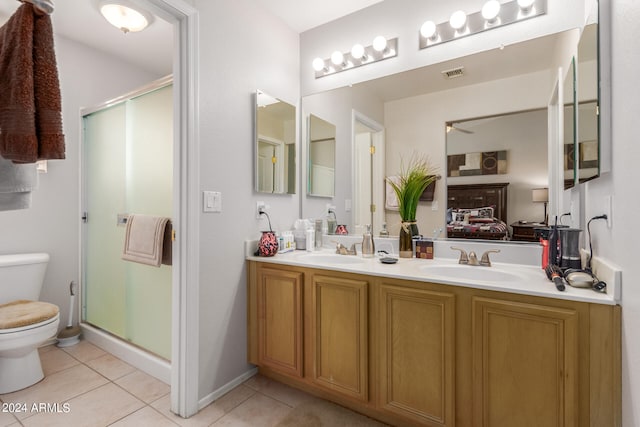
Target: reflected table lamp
(541, 195)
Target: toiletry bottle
(318, 234)
(311, 234)
(384, 232)
(368, 247)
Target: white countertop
(520, 279)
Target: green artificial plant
(410, 184)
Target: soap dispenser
(368, 247)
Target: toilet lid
(21, 313)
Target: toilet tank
(21, 276)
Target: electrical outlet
(260, 207)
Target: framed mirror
(275, 145)
(570, 123)
(321, 162)
(588, 117)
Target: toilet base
(17, 373)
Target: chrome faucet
(342, 249)
(464, 258)
(472, 258)
(485, 257)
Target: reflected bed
(477, 211)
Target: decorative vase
(408, 230)
(341, 229)
(268, 244)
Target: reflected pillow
(474, 213)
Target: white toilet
(25, 322)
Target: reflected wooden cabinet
(416, 329)
(338, 334)
(525, 361)
(279, 303)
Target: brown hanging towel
(30, 103)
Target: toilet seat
(23, 315)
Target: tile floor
(86, 386)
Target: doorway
(368, 173)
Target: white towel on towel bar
(147, 239)
(16, 183)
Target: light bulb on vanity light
(380, 44)
(337, 58)
(458, 20)
(358, 52)
(429, 30)
(491, 10)
(319, 65)
(525, 5)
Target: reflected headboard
(478, 196)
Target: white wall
(52, 224)
(242, 48)
(618, 243)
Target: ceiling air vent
(453, 73)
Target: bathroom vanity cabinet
(412, 353)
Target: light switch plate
(211, 201)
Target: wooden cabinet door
(280, 320)
(339, 335)
(524, 364)
(416, 330)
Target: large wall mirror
(275, 145)
(321, 162)
(503, 91)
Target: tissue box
(424, 249)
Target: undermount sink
(470, 272)
(331, 259)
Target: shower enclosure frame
(184, 367)
(138, 355)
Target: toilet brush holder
(71, 334)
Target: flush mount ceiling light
(381, 48)
(494, 14)
(125, 16)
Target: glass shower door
(128, 169)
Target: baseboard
(136, 357)
(215, 395)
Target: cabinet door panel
(340, 335)
(417, 357)
(280, 320)
(525, 364)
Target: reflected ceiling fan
(451, 126)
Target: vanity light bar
(493, 15)
(360, 55)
